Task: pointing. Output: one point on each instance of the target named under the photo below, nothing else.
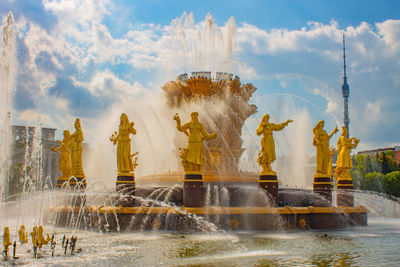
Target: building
(374, 152)
(31, 153)
(31, 148)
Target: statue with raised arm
(76, 150)
(64, 163)
(126, 161)
(193, 156)
(343, 163)
(321, 142)
(267, 154)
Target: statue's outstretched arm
(179, 126)
(286, 123)
(178, 122)
(132, 129)
(279, 127)
(355, 143)
(333, 132)
(205, 135)
(55, 149)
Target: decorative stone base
(322, 188)
(193, 190)
(125, 186)
(270, 184)
(345, 194)
(73, 182)
(225, 218)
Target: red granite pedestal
(270, 184)
(322, 188)
(193, 190)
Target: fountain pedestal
(269, 183)
(78, 180)
(322, 188)
(345, 195)
(193, 190)
(125, 186)
(61, 181)
(73, 181)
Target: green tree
(392, 183)
(359, 161)
(374, 181)
(376, 167)
(387, 162)
(391, 162)
(384, 162)
(358, 178)
(368, 164)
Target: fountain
(208, 193)
(211, 188)
(8, 67)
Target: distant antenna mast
(345, 91)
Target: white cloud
(83, 49)
(76, 12)
(31, 116)
(390, 32)
(105, 83)
(245, 71)
(314, 52)
(278, 40)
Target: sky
(93, 59)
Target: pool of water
(375, 245)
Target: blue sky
(265, 14)
(93, 59)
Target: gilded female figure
(65, 155)
(121, 138)
(321, 142)
(76, 151)
(344, 147)
(267, 154)
(193, 156)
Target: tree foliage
(392, 183)
(378, 173)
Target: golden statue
(65, 156)
(34, 235)
(267, 154)
(343, 163)
(321, 142)
(193, 156)
(76, 151)
(23, 235)
(126, 161)
(40, 238)
(6, 238)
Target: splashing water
(8, 69)
(202, 47)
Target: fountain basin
(183, 219)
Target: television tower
(345, 92)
